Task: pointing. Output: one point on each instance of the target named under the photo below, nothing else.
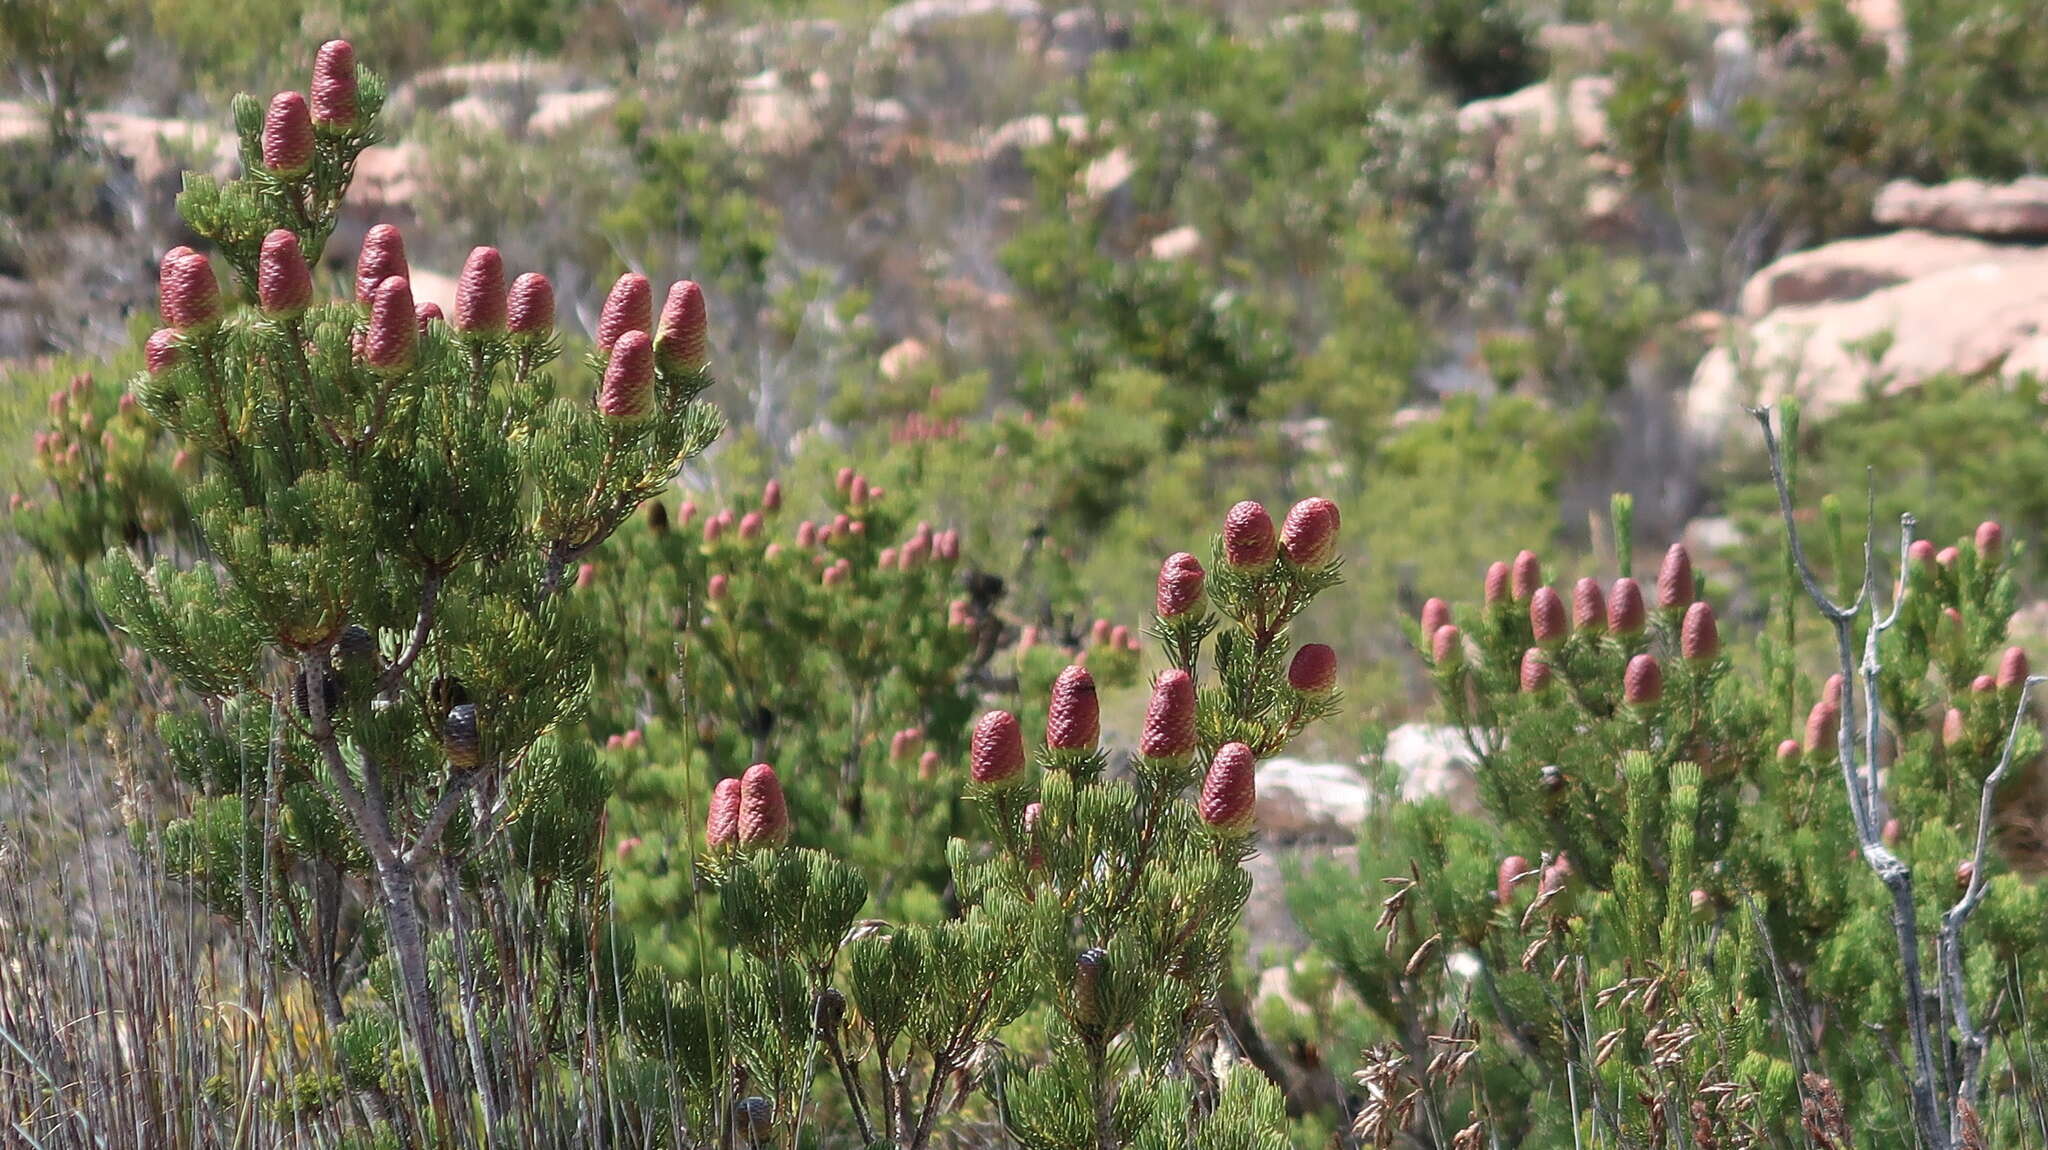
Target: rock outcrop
(1967, 319)
(1302, 801)
(1852, 269)
(2014, 211)
(1952, 292)
(1579, 106)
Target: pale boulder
(558, 111)
(1578, 108)
(1968, 320)
(927, 18)
(1300, 801)
(771, 118)
(2016, 210)
(159, 150)
(2030, 359)
(1433, 762)
(435, 288)
(1852, 269)
(507, 81)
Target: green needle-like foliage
(1689, 911)
(388, 630)
(378, 640)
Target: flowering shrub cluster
(856, 642)
(1666, 912)
(1105, 902)
(378, 644)
(387, 658)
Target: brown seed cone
(1823, 728)
(427, 312)
(1674, 578)
(460, 739)
(287, 135)
(480, 292)
(530, 306)
(1525, 576)
(1512, 868)
(2012, 669)
(753, 1118)
(1547, 617)
(1181, 582)
(334, 84)
(722, 826)
(629, 307)
(1642, 684)
(1589, 606)
(1447, 646)
(1170, 717)
(627, 395)
(1313, 670)
(1229, 799)
(1954, 729)
(1536, 674)
(394, 333)
(1497, 581)
(1074, 720)
(284, 284)
(161, 352)
(1248, 537)
(683, 341)
(330, 693)
(1990, 541)
(996, 751)
(1436, 614)
(1625, 611)
(1309, 533)
(163, 263)
(1699, 638)
(187, 293)
(382, 257)
(1089, 968)
(764, 815)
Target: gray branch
(1890, 870)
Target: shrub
(1476, 48)
(390, 500)
(856, 643)
(1668, 900)
(384, 656)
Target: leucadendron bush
(383, 651)
(858, 643)
(1709, 900)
